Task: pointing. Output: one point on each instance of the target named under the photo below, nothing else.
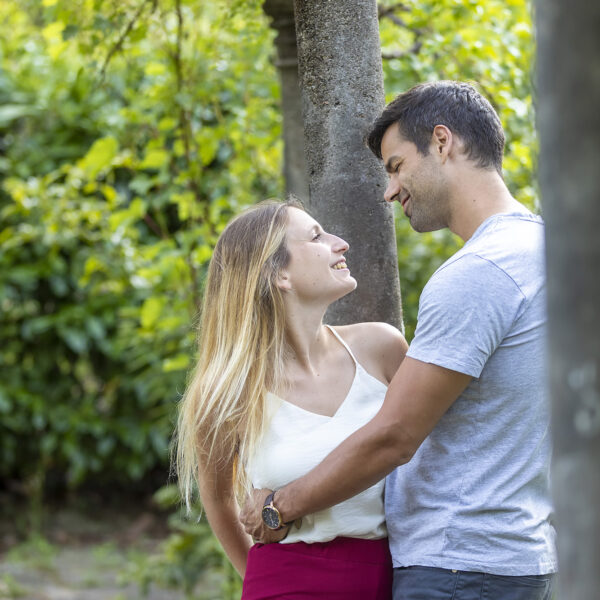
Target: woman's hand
(251, 518)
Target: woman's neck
(307, 339)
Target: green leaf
(151, 311)
(99, 156)
(180, 362)
(10, 112)
(155, 159)
(75, 339)
(5, 404)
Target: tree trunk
(294, 164)
(569, 123)
(341, 80)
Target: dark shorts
(343, 569)
(430, 583)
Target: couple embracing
(381, 470)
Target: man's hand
(251, 518)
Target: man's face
(416, 181)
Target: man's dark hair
(458, 106)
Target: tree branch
(414, 49)
(119, 43)
(384, 11)
(388, 13)
(154, 226)
(186, 131)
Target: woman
(274, 391)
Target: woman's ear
(283, 281)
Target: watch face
(271, 518)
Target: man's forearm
(418, 396)
(366, 457)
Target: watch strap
(269, 503)
(269, 500)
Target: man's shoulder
(510, 249)
(468, 268)
(507, 236)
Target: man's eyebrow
(388, 165)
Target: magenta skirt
(343, 569)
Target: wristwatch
(270, 515)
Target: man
(466, 415)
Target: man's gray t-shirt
(476, 494)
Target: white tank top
(296, 440)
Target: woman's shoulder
(370, 330)
(378, 347)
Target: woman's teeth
(340, 265)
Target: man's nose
(391, 191)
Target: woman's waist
(361, 518)
(371, 550)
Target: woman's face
(317, 269)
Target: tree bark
(569, 124)
(294, 163)
(341, 80)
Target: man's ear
(283, 281)
(442, 141)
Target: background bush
(130, 134)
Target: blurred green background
(130, 132)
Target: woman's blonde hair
(241, 348)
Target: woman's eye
(317, 237)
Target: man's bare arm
(419, 394)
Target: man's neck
(479, 195)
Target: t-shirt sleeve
(465, 311)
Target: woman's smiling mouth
(338, 266)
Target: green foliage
(130, 134)
(190, 559)
(10, 589)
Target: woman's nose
(340, 245)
